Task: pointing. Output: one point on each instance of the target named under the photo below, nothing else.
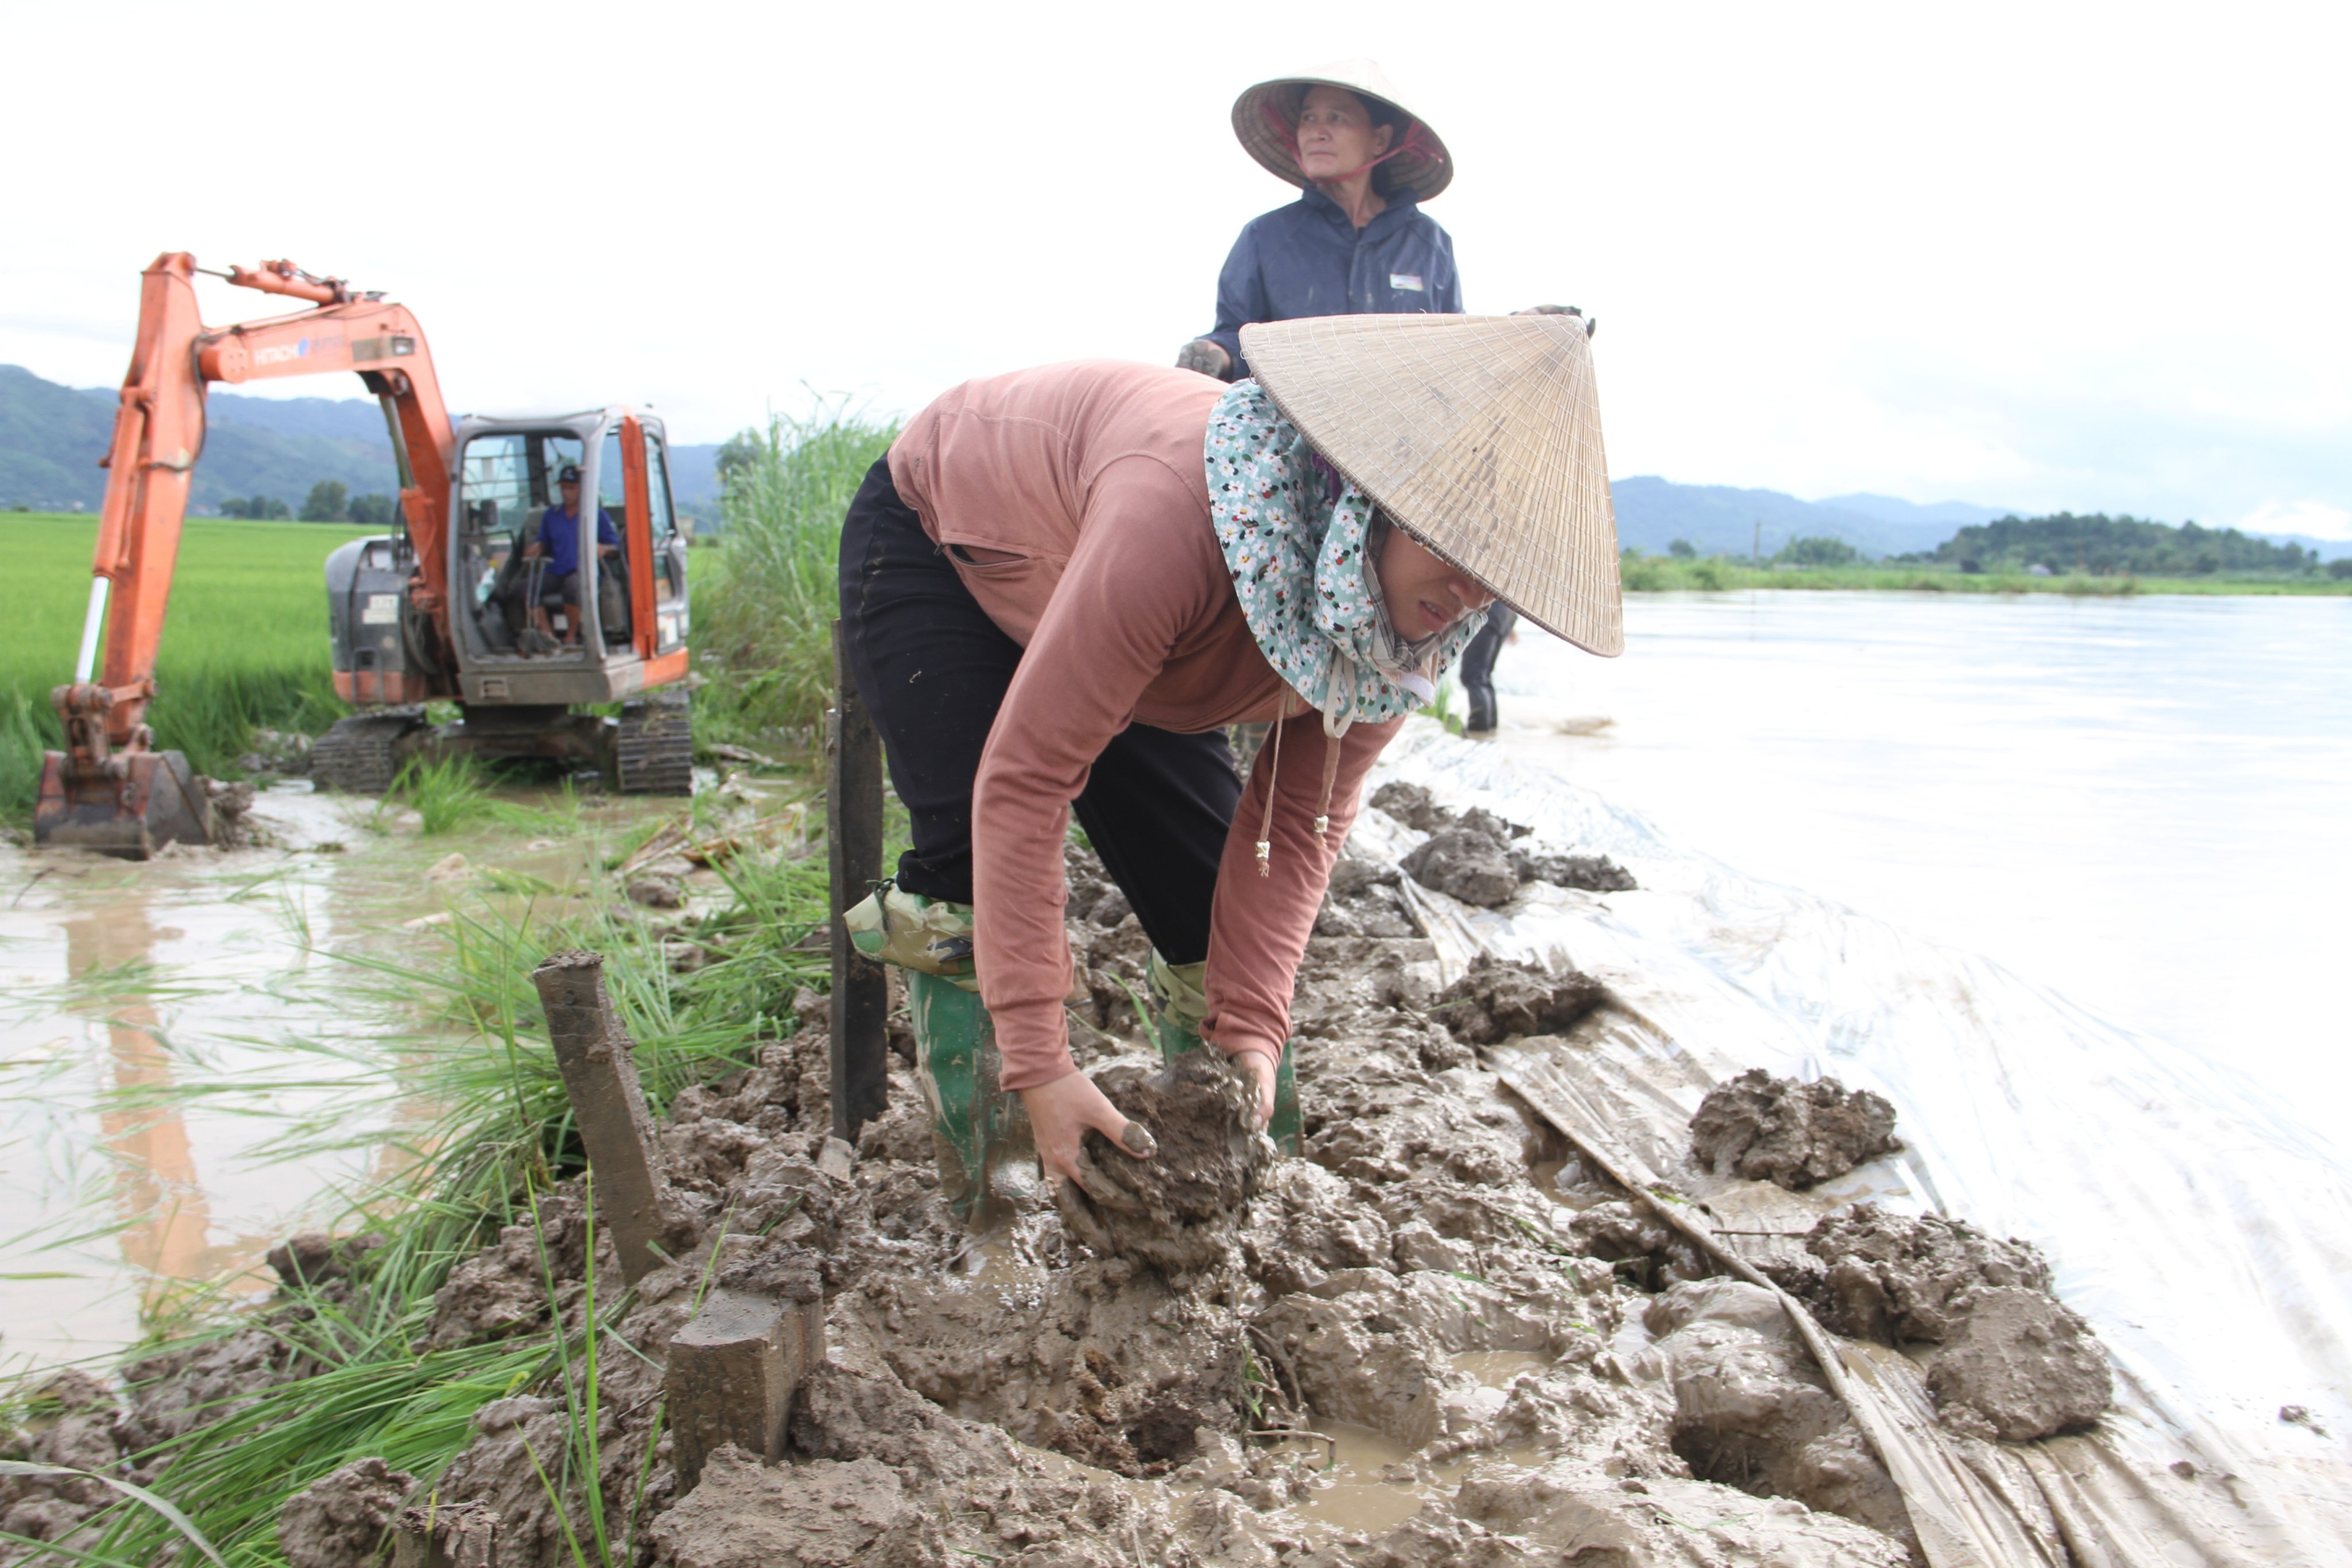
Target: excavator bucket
(158, 800)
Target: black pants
(1478, 666)
(933, 669)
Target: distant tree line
(2113, 546)
(330, 500)
(1813, 549)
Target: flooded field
(166, 1028)
(2138, 803)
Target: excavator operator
(558, 541)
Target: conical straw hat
(1265, 118)
(1480, 436)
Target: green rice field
(245, 642)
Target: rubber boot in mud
(980, 1134)
(1179, 1001)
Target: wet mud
(1177, 1208)
(1795, 1135)
(2004, 1357)
(1474, 855)
(1438, 1338)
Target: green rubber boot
(1179, 996)
(980, 1134)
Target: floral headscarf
(1296, 544)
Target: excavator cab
(521, 694)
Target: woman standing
(1356, 242)
(1062, 584)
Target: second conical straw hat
(1265, 118)
(1480, 436)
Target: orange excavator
(459, 607)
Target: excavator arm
(110, 789)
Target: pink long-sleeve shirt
(1084, 485)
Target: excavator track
(360, 755)
(655, 749)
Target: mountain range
(51, 438)
(1720, 519)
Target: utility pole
(1756, 549)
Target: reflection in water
(164, 1025)
(166, 1220)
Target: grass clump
(446, 793)
(763, 617)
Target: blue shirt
(560, 531)
(1308, 259)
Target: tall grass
(500, 1135)
(763, 620)
(22, 741)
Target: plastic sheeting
(2204, 1230)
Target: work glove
(1591, 323)
(1206, 357)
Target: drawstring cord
(1335, 730)
(1272, 776)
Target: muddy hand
(1084, 1226)
(1061, 1111)
(1261, 1067)
(1102, 1185)
(1204, 357)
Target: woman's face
(1424, 595)
(1335, 136)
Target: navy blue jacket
(1307, 260)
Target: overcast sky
(2047, 256)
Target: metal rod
(86, 662)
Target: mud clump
(2020, 1365)
(2013, 1362)
(1362, 899)
(1496, 999)
(1472, 854)
(1792, 1134)
(1410, 804)
(1465, 863)
(339, 1520)
(1177, 1209)
(315, 1257)
(1899, 1279)
(1588, 873)
(72, 1423)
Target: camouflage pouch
(928, 935)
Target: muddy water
(162, 1023)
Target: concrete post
(861, 994)
(732, 1373)
(600, 1077)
